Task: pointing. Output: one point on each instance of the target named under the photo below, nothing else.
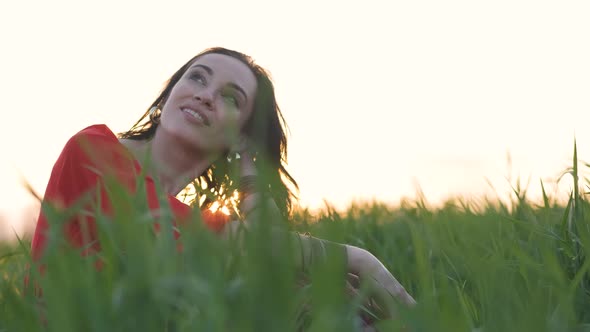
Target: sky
(383, 98)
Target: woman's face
(210, 103)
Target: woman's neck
(169, 162)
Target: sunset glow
(382, 98)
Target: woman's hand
(245, 150)
(382, 284)
(250, 199)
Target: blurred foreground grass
(498, 267)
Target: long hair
(266, 130)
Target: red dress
(90, 158)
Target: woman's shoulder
(95, 132)
(93, 137)
(96, 144)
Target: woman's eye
(230, 99)
(198, 78)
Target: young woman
(218, 105)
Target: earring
(155, 114)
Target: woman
(218, 106)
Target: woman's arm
(90, 158)
(360, 262)
(308, 251)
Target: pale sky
(380, 96)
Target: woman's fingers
(401, 294)
(392, 286)
(353, 280)
(380, 303)
(396, 290)
(383, 284)
(243, 146)
(387, 292)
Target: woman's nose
(205, 97)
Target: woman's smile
(196, 116)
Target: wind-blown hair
(266, 130)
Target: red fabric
(89, 159)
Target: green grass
(519, 266)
